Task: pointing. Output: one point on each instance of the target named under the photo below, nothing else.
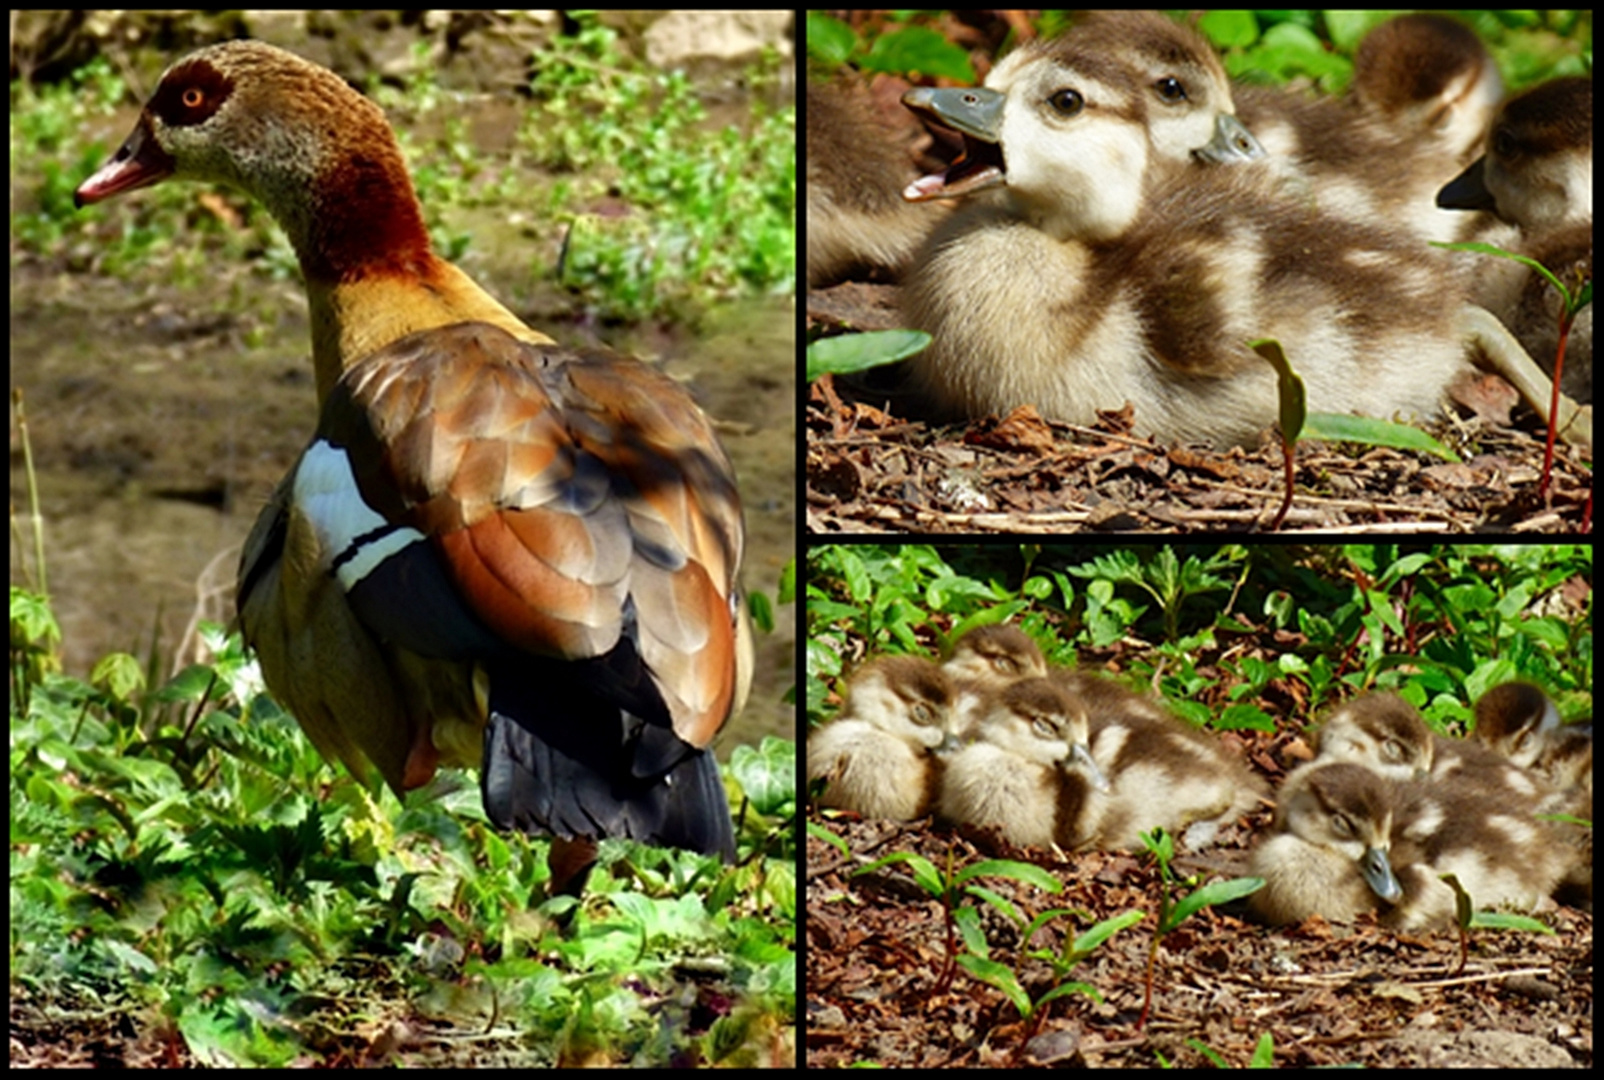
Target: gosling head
(1346, 809)
(1038, 722)
(1537, 171)
(1189, 108)
(1064, 129)
(1428, 76)
(1515, 719)
(905, 696)
(1381, 732)
(993, 656)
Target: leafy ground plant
(1171, 913)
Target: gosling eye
(1170, 89)
(1005, 665)
(1504, 144)
(1045, 728)
(1392, 750)
(921, 714)
(1341, 825)
(1066, 102)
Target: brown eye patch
(190, 94)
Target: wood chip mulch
(872, 469)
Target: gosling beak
(976, 113)
(1378, 875)
(1232, 143)
(1080, 756)
(1468, 190)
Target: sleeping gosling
(1030, 773)
(879, 756)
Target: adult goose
(495, 552)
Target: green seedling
(1263, 1054)
(1005, 979)
(1298, 422)
(1161, 845)
(1571, 305)
(950, 887)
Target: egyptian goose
(1378, 156)
(1536, 176)
(1104, 275)
(495, 552)
(1347, 840)
(1030, 773)
(1490, 838)
(857, 218)
(1517, 720)
(1161, 771)
(879, 756)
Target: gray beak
(1232, 143)
(1079, 755)
(1378, 875)
(975, 111)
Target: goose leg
(1504, 355)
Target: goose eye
(1170, 89)
(1067, 102)
(1504, 144)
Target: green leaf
(846, 354)
(1008, 868)
(919, 50)
(1373, 432)
(830, 41)
(1215, 892)
(999, 976)
(821, 833)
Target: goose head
(1190, 111)
(1428, 76)
(265, 121)
(1037, 721)
(1064, 132)
(992, 656)
(1348, 810)
(1514, 718)
(1537, 171)
(907, 697)
(1381, 732)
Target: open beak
(975, 113)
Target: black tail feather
(566, 762)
